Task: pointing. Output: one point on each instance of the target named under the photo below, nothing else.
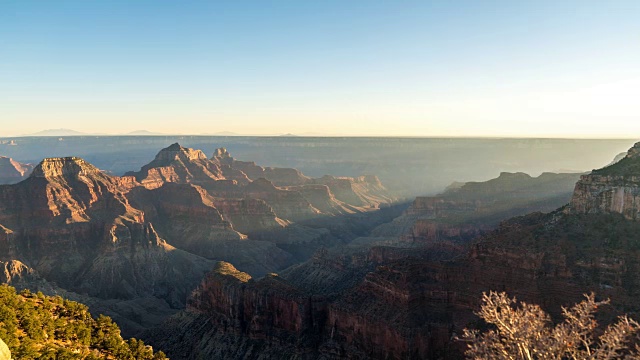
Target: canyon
(212, 257)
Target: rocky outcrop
(266, 210)
(178, 164)
(613, 189)
(607, 194)
(321, 198)
(269, 314)
(12, 171)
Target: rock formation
(12, 171)
(74, 226)
(177, 164)
(613, 189)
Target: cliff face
(269, 308)
(601, 194)
(243, 315)
(614, 189)
(249, 216)
(405, 304)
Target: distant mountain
(143, 133)
(57, 132)
(226, 133)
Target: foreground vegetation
(35, 326)
(524, 331)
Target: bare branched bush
(525, 331)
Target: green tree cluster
(35, 326)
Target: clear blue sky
(420, 68)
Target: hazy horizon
(151, 133)
(416, 68)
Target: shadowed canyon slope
(467, 210)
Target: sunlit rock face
(178, 164)
(614, 189)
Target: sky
(540, 68)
